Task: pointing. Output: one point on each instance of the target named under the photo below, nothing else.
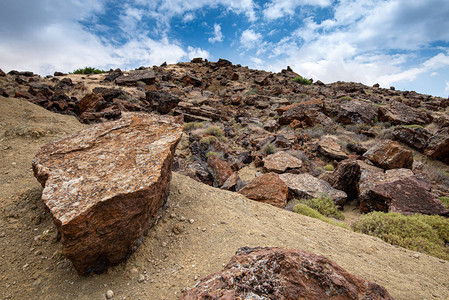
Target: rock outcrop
(274, 273)
(390, 155)
(346, 178)
(308, 186)
(328, 146)
(267, 188)
(281, 161)
(106, 185)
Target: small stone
(141, 278)
(164, 244)
(133, 271)
(191, 221)
(416, 256)
(109, 294)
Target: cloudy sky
(404, 43)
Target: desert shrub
(310, 212)
(212, 153)
(214, 130)
(88, 70)
(325, 206)
(356, 128)
(301, 80)
(210, 139)
(253, 92)
(413, 126)
(423, 233)
(315, 131)
(269, 148)
(345, 98)
(328, 167)
(445, 201)
(193, 125)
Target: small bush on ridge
(88, 70)
(301, 80)
(214, 130)
(305, 210)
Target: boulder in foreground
(106, 185)
(274, 273)
(267, 188)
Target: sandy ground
(210, 225)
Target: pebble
(141, 278)
(191, 221)
(416, 256)
(109, 294)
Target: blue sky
(404, 43)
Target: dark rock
(415, 137)
(233, 183)
(3, 93)
(60, 74)
(267, 188)
(438, 146)
(146, 76)
(113, 75)
(109, 94)
(2, 74)
(91, 103)
(274, 273)
(355, 112)
(189, 79)
(162, 102)
(223, 63)
(346, 178)
(40, 89)
(390, 155)
(357, 148)
(406, 196)
(106, 185)
(398, 113)
(197, 60)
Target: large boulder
(354, 112)
(390, 155)
(106, 185)
(346, 178)
(398, 113)
(267, 188)
(274, 273)
(407, 196)
(281, 161)
(220, 169)
(308, 186)
(162, 102)
(329, 147)
(146, 76)
(438, 146)
(415, 137)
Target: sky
(401, 43)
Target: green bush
(193, 125)
(413, 126)
(301, 80)
(345, 98)
(212, 153)
(269, 148)
(214, 130)
(310, 212)
(423, 233)
(445, 201)
(324, 206)
(88, 70)
(210, 139)
(329, 167)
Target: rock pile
(106, 185)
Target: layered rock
(162, 102)
(221, 170)
(308, 186)
(438, 146)
(274, 273)
(281, 161)
(346, 178)
(415, 137)
(267, 188)
(145, 76)
(106, 185)
(398, 113)
(390, 155)
(329, 147)
(354, 112)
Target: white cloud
(446, 90)
(197, 52)
(218, 36)
(280, 8)
(189, 17)
(249, 38)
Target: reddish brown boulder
(407, 196)
(220, 169)
(355, 112)
(91, 103)
(329, 147)
(274, 273)
(390, 155)
(398, 113)
(346, 178)
(281, 161)
(106, 185)
(439, 146)
(162, 102)
(267, 188)
(415, 137)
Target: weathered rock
(189, 79)
(163, 102)
(415, 137)
(110, 94)
(106, 185)
(354, 112)
(91, 103)
(57, 74)
(371, 176)
(220, 169)
(233, 183)
(274, 273)
(2, 74)
(146, 76)
(346, 178)
(439, 146)
(328, 146)
(308, 186)
(3, 93)
(398, 113)
(390, 155)
(406, 196)
(113, 75)
(281, 161)
(267, 188)
(357, 148)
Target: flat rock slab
(308, 186)
(106, 185)
(274, 273)
(328, 146)
(390, 155)
(281, 161)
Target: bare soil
(201, 229)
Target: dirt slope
(200, 231)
